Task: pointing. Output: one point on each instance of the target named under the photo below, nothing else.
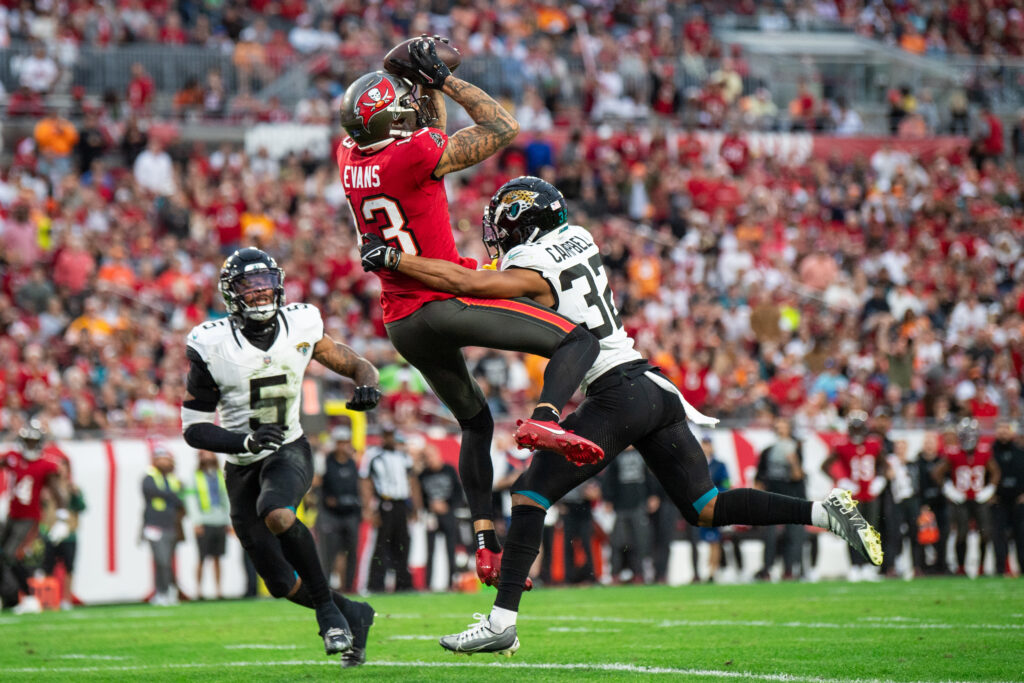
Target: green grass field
(931, 630)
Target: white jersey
(259, 386)
(571, 263)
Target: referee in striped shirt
(387, 484)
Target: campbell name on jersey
(259, 386)
(571, 263)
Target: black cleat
(334, 629)
(353, 658)
(337, 640)
(360, 618)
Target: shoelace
(484, 622)
(335, 631)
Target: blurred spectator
(140, 91)
(442, 495)
(32, 470)
(576, 514)
(970, 475)
(38, 72)
(626, 488)
(337, 523)
(928, 111)
(93, 141)
(188, 102)
(154, 170)
(712, 536)
(161, 522)
(55, 138)
(902, 507)
(62, 535)
(988, 143)
(209, 511)
(387, 486)
(1008, 509)
(934, 512)
(780, 470)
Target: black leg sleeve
(759, 508)
(569, 363)
(521, 547)
(475, 467)
(299, 549)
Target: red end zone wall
(113, 565)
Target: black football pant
(962, 516)
(392, 548)
(338, 533)
(447, 526)
(432, 338)
(1008, 523)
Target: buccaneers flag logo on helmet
(376, 98)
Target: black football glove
(431, 72)
(364, 398)
(376, 254)
(267, 437)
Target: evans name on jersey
(360, 177)
(260, 386)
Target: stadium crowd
(764, 287)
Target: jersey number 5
(264, 404)
(385, 214)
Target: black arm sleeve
(207, 436)
(200, 384)
(205, 395)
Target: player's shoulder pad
(304, 320)
(208, 334)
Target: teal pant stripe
(535, 497)
(705, 499)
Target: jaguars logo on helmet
(521, 211)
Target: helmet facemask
(31, 438)
(255, 295)
(521, 211)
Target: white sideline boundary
(526, 666)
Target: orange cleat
(488, 568)
(550, 436)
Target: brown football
(448, 54)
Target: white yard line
(465, 664)
(105, 658)
(668, 623)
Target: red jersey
(967, 470)
(860, 461)
(29, 478)
(392, 194)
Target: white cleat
(846, 522)
(480, 638)
(30, 605)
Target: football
(448, 54)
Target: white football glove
(850, 485)
(877, 486)
(60, 529)
(952, 493)
(985, 494)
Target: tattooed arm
(346, 362)
(494, 128)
